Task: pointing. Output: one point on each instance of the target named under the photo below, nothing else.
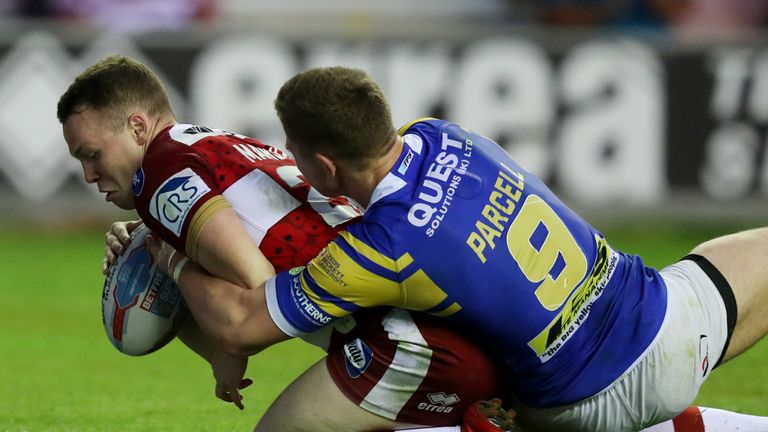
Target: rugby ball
(141, 306)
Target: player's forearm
(195, 339)
(236, 317)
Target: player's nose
(90, 173)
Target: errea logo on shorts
(174, 199)
(439, 402)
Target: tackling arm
(235, 316)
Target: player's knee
(707, 248)
(287, 418)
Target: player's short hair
(337, 110)
(113, 86)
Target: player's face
(109, 157)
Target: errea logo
(174, 199)
(439, 402)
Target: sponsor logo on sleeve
(312, 314)
(357, 357)
(175, 198)
(403, 168)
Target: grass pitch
(58, 371)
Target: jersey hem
(273, 307)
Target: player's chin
(125, 203)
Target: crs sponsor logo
(357, 357)
(174, 199)
(439, 402)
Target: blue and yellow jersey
(457, 229)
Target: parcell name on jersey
(174, 199)
(440, 184)
(507, 190)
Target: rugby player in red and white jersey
(219, 196)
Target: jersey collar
(396, 178)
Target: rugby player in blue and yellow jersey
(592, 339)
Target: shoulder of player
(419, 123)
(375, 231)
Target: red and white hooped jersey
(191, 172)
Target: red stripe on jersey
(297, 238)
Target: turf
(59, 373)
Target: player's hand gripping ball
(142, 308)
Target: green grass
(59, 373)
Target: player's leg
(390, 371)
(742, 258)
(700, 419)
(313, 403)
(693, 419)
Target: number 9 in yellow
(546, 252)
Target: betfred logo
(439, 402)
(174, 199)
(357, 357)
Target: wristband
(179, 266)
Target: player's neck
(361, 184)
(160, 124)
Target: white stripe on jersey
(260, 202)
(408, 369)
(387, 186)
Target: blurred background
(639, 107)
(647, 116)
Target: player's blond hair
(340, 111)
(114, 86)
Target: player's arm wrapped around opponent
(235, 316)
(228, 369)
(232, 314)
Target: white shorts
(701, 313)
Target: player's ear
(138, 126)
(328, 165)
